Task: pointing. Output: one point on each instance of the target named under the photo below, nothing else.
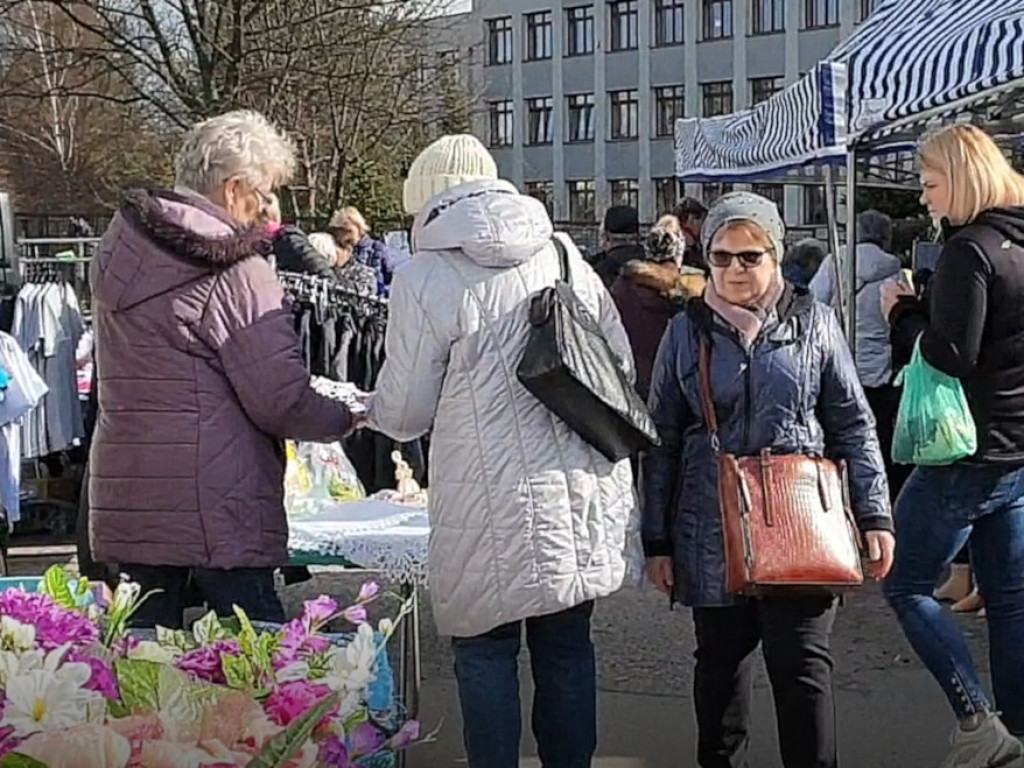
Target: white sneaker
(990, 745)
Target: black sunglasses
(747, 259)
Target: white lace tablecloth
(372, 534)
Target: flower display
(78, 689)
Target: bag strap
(563, 260)
(704, 374)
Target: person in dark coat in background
(620, 235)
(691, 213)
(200, 381)
(350, 230)
(292, 251)
(803, 260)
(782, 378)
(650, 292)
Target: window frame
(502, 34)
(628, 99)
(678, 99)
(811, 20)
(776, 17)
(726, 96)
(586, 19)
(572, 191)
(632, 28)
(770, 190)
(663, 202)
(543, 108)
(708, 18)
(588, 105)
(813, 197)
(632, 193)
(666, 14)
(538, 32)
(497, 112)
(778, 85)
(547, 188)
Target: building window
(668, 22)
(669, 106)
(579, 22)
(543, 191)
(499, 40)
(867, 7)
(582, 205)
(763, 88)
(538, 36)
(717, 19)
(502, 123)
(540, 126)
(815, 210)
(712, 190)
(626, 192)
(625, 109)
(581, 117)
(624, 26)
(666, 194)
(774, 192)
(717, 98)
(767, 16)
(821, 13)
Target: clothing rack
(324, 291)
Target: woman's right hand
(659, 573)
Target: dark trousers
(565, 691)
(794, 634)
(251, 589)
(885, 404)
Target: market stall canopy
(907, 58)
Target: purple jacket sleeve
(249, 327)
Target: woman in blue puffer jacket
(782, 378)
(351, 230)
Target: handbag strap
(704, 374)
(563, 260)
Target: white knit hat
(448, 162)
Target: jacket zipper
(747, 395)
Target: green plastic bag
(934, 426)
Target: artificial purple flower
(366, 739)
(333, 753)
(292, 700)
(407, 735)
(206, 663)
(320, 610)
(356, 614)
(368, 592)
(7, 742)
(54, 625)
(297, 643)
(103, 679)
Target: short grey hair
(325, 244)
(876, 228)
(239, 144)
(806, 254)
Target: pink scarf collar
(748, 321)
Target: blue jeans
(565, 691)
(937, 512)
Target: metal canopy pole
(851, 250)
(833, 240)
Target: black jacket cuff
(658, 548)
(876, 523)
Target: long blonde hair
(979, 175)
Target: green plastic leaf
(209, 630)
(238, 672)
(148, 686)
(174, 639)
(16, 760)
(283, 747)
(56, 586)
(139, 683)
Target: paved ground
(891, 713)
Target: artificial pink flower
(333, 753)
(356, 614)
(407, 735)
(206, 663)
(319, 611)
(366, 739)
(103, 679)
(292, 700)
(55, 626)
(368, 591)
(85, 746)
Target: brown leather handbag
(786, 520)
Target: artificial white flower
(44, 700)
(13, 664)
(290, 673)
(386, 627)
(126, 594)
(352, 667)
(16, 636)
(147, 650)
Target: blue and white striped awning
(909, 57)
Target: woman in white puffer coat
(528, 522)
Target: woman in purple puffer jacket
(200, 381)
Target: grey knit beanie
(745, 206)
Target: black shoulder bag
(569, 367)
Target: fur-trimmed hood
(163, 239)
(664, 279)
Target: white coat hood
(489, 221)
